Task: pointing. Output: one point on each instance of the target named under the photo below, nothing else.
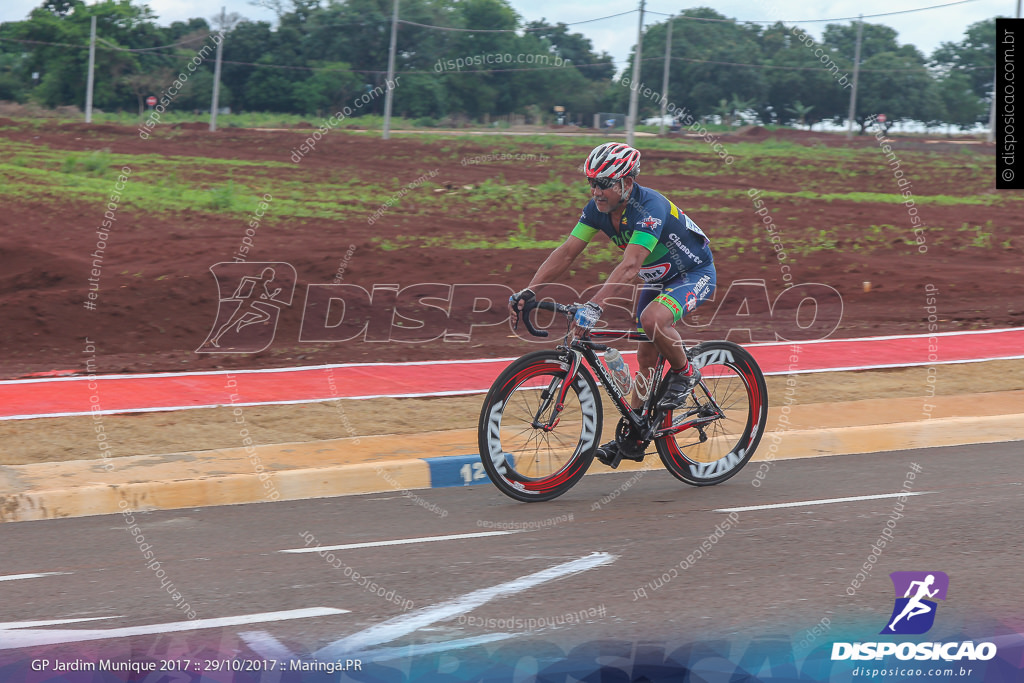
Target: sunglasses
(602, 183)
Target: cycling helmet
(613, 160)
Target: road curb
(92, 497)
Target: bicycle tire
(528, 463)
(734, 379)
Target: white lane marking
(267, 646)
(469, 361)
(399, 626)
(14, 639)
(49, 622)
(323, 399)
(821, 502)
(401, 541)
(470, 392)
(16, 577)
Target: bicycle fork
(556, 394)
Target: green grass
(170, 185)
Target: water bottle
(619, 370)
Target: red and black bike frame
(578, 350)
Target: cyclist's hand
(518, 300)
(587, 315)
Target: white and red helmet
(613, 160)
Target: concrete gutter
(340, 467)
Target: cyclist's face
(611, 198)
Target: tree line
(473, 59)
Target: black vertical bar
(1009, 86)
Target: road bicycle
(542, 418)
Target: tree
(962, 107)
(330, 88)
(703, 57)
(841, 40)
(975, 56)
(898, 85)
(247, 43)
(800, 110)
(576, 48)
(796, 74)
(270, 89)
(145, 83)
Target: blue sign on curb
(456, 470)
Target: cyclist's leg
(647, 357)
(646, 353)
(680, 296)
(659, 323)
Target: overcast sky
(925, 29)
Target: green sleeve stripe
(584, 232)
(657, 255)
(644, 239)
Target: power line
(804, 68)
(812, 21)
(162, 47)
(513, 30)
(485, 71)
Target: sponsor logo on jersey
(701, 288)
(649, 223)
(671, 303)
(622, 239)
(654, 273)
(678, 244)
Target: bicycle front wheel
(728, 415)
(527, 455)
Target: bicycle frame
(528, 465)
(586, 350)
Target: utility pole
(664, 77)
(215, 100)
(856, 73)
(634, 86)
(89, 78)
(388, 84)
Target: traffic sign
(151, 100)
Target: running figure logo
(248, 317)
(914, 613)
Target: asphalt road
(624, 568)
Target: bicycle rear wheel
(736, 398)
(523, 459)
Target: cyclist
(661, 246)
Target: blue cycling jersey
(676, 244)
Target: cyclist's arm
(624, 273)
(558, 261)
